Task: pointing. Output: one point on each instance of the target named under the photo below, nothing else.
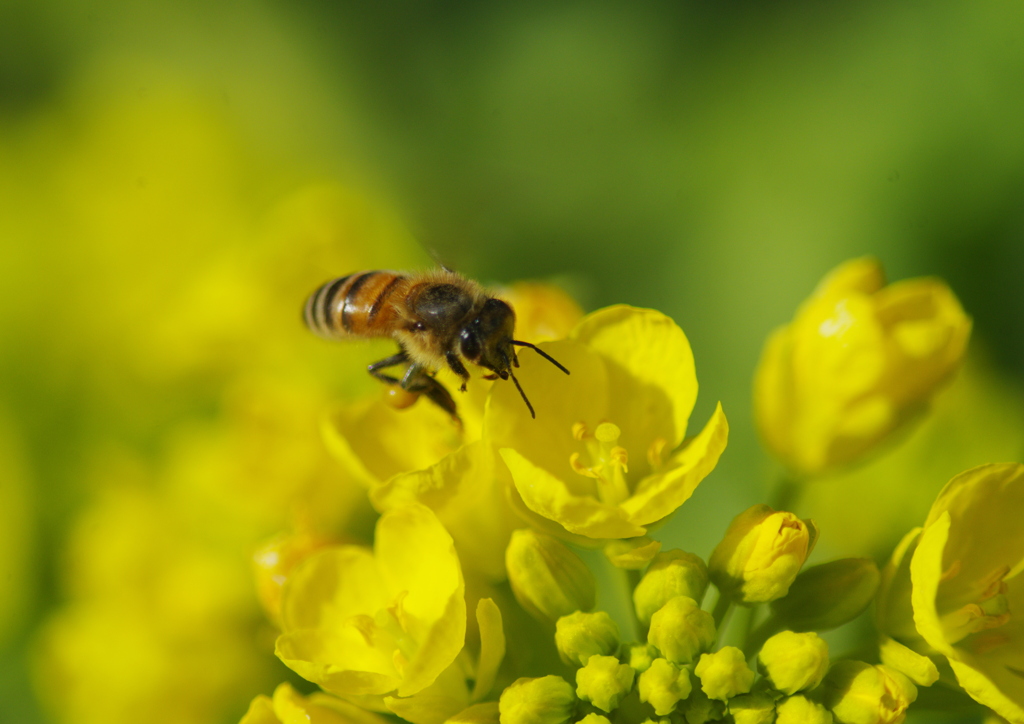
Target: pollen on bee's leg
(398, 398)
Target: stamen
(656, 452)
(609, 461)
(952, 572)
(365, 626)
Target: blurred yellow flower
(858, 360)
(967, 591)
(603, 458)
(158, 620)
(367, 623)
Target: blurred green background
(176, 176)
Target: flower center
(388, 631)
(608, 461)
(990, 611)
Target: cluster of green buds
(680, 673)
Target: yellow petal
(373, 441)
(261, 711)
(444, 698)
(632, 554)
(650, 364)
(660, 495)
(548, 496)
(988, 688)
(492, 647)
(926, 575)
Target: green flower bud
(859, 692)
(604, 681)
(760, 555)
(794, 661)
(547, 578)
(826, 596)
(663, 685)
(594, 718)
(681, 630)
(801, 710)
(699, 709)
(672, 573)
(724, 674)
(580, 635)
(547, 700)
(754, 708)
(638, 656)
(918, 668)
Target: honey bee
(438, 319)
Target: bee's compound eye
(469, 345)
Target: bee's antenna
(543, 354)
(525, 398)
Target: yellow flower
(368, 623)
(967, 591)
(604, 458)
(857, 361)
(761, 554)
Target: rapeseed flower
(364, 623)
(966, 590)
(858, 361)
(604, 459)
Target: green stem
(786, 492)
(632, 579)
(720, 613)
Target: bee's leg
(392, 361)
(458, 368)
(417, 380)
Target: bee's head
(487, 339)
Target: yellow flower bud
(639, 656)
(547, 578)
(828, 595)
(724, 674)
(801, 710)
(604, 681)
(855, 363)
(794, 661)
(681, 630)
(755, 708)
(761, 554)
(672, 573)
(547, 700)
(594, 718)
(859, 692)
(580, 635)
(663, 685)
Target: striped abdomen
(359, 305)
